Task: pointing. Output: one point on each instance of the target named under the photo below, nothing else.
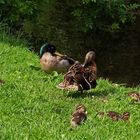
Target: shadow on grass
(2, 82)
(79, 94)
(35, 68)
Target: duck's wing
(90, 73)
(61, 57)
(71, 60)
(69, 81)
(78, 77)
(90, 76)
(72, 87)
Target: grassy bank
(31, 107)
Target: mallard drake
(81, 76)
(78, 116)
(50, 60)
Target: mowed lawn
(32, 108)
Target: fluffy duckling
(81, 76)
(116, 116)
(135, 96)
(50, 60)
(79, 115)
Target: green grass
(31, 107)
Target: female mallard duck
(50, 60)
(81, 77)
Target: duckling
(79, 115)
(50, 60)
(135, 96)
(81, 76)
(125, 116)
(116, 116)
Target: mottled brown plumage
(78, 116)
(125, 116)
(117, 116)
(135, 96)
(81, 76)
(114, 115)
